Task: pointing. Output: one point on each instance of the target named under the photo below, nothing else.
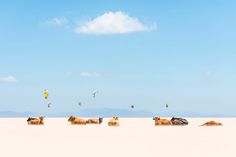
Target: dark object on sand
(179, 121)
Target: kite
(94, 93)
(49, 105)
(46, 94)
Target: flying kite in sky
(45, 94)
(167, 105)
(132, 106)
(49, 105)
(94, 93)
(80, 103)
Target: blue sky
(145, 53)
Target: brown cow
(211, 123)
(75, 120)
(114, 122)
(94, 121)
(159, 121)
(35, 121)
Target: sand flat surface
(136, 137)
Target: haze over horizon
(147, 54)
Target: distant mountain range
(109, 112)
(15, 114)
(103, 112)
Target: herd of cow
(115, 121)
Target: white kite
(94, 93)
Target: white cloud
(90, 74)
(8, 79)
(113, 23)
(59, 21)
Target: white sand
(136, 137)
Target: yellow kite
(46, 94)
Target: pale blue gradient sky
(188, 61)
